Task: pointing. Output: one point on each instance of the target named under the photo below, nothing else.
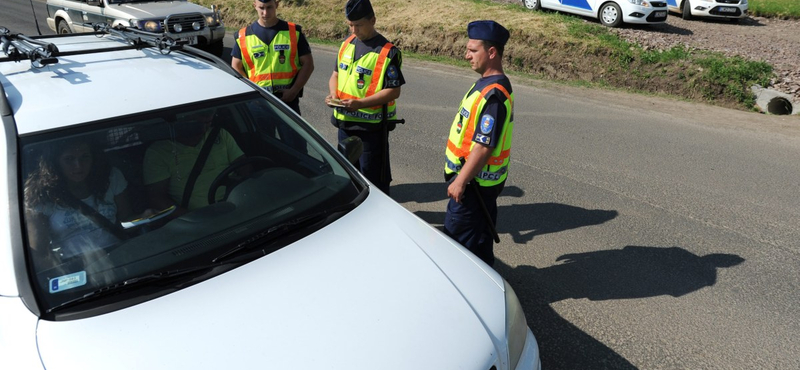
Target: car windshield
(187, 188)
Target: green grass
(787, 9)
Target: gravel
(774, 41)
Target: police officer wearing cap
(274, 54)
(479, 143)
(363, 88)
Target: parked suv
(179, 19)
(272, 250)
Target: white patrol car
(733, 10)
(611, 13)
(179, 19)
(296, 262)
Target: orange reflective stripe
(344, 46)
(378, 71)
(272, 76)
(293, 51)
(466, 141)
(248, 62)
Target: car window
(107, 204)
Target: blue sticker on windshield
(67, 282)
(487, 122)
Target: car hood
(386, 292)
(153, 9)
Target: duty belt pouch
(390, 124)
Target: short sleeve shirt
(172, 160)
(493, 116)
(393, 75)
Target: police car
(290, 260)
(181, 19)
(611, 13)
(721, 9)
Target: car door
(72, 8)
(582, 7)
(93, 11)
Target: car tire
(610, 15)
(686, 10)
(63, 27)
(532, 4)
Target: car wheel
(63, 27)
(532, 4)
(611, 15)
(686, 10)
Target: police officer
(274, 54)
(479, 143)
(363, 88)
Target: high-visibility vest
(460, 144)
(360, 79)
(272, 66)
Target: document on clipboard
(336, 103)
(141, 221)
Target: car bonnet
(149, 10)
(377, 289)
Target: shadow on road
(627, 273)
(522, 221)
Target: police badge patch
(487, 123)
(392, 72)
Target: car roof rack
(18, 47)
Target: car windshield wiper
(133, 283)
(285, 228)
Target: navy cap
(489, 31)
(357, 9)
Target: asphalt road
(639, 233)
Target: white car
(296, 262)
(726, 9)
(179, 19)
(611, 13)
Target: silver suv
(179, 19)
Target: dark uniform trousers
(375, 159)
(466, 223)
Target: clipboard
(336, 103)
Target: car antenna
(36, 21)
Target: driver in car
(193, 157)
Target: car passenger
(75, 200)
(168, 164)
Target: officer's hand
(456, 190)
(352, 104)
(288, 95)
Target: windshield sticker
(67, 282)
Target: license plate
(660, 14)
(727, 9)
(191, 40)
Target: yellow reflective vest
(460, 144)
(272, 66)
(360, 79)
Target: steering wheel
(222, 178)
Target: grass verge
(546, 45)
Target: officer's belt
(485, 175)
(362, 115)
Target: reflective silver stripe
(273, 88)
(483, 175)
(362, 115)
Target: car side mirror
(95, 2)
(351, 148)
